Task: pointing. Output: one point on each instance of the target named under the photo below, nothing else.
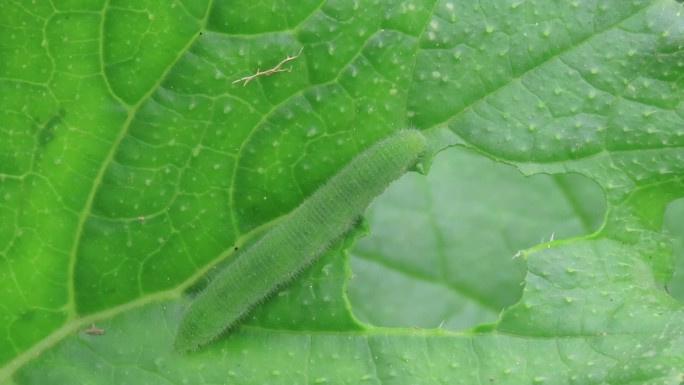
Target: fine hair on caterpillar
(296, 241)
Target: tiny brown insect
(95, 330)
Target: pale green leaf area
(454, 236)
(675, 227)
(543, 247)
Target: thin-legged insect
(95, 330)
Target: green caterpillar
(295, 242)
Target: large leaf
(132, 164)
(426, 230)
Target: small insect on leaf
(271, 71)
(95, 330)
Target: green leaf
(454, 236)
(135, 163)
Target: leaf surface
(133, 164)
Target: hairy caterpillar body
(295, 242)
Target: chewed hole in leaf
(441, 249)
(674, 225)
